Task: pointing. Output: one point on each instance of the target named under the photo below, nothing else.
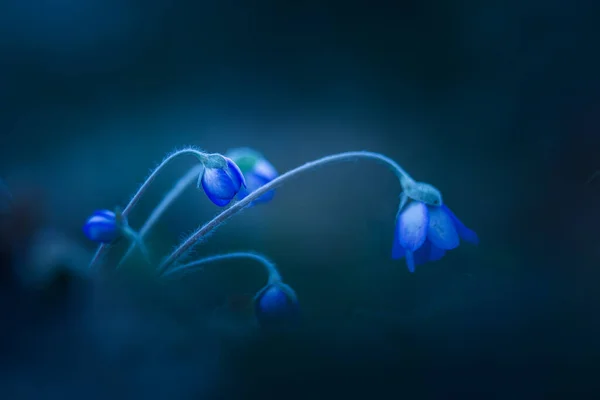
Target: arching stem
(271, 269)
(201, 156)
(186, 180)
(186, 245)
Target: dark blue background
(495, 103)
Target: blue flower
(257, 172)
(102, 227)
(424, 233)
(276, 306)
(222, 182)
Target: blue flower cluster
(425, 227)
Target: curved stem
(402, 175)
(190, 177)
(202, 157)
(274, 275)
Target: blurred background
(496, 103)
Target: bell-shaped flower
(424, 233)
(221, 183)
(257, 171)
(276, 307)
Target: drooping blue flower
(257, 171)
(221, 184)
(424, 233)
(102, 227)
(276, 306)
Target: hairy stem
(187, 244)
(201, 156)
(190, 177)
(274, 275)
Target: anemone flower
(221, 184)
(424, 233)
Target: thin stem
(402, 175)
(271, 269)
(202, 157)
(190, 177)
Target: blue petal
(441, 231)
(426, 253)
(236, 175)
(273, 301)
(218, 186)
(257, 171)
(268, 196)
(410, 235)
(254, 182)
(276, 305)
(412, 226)
(464, 232)
(265, 169)
(102, 227)
(422, 254)
(436, 253)
(262, 173)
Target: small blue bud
(276, 306)
(257, 170)
(102, 227)
(222, 184)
